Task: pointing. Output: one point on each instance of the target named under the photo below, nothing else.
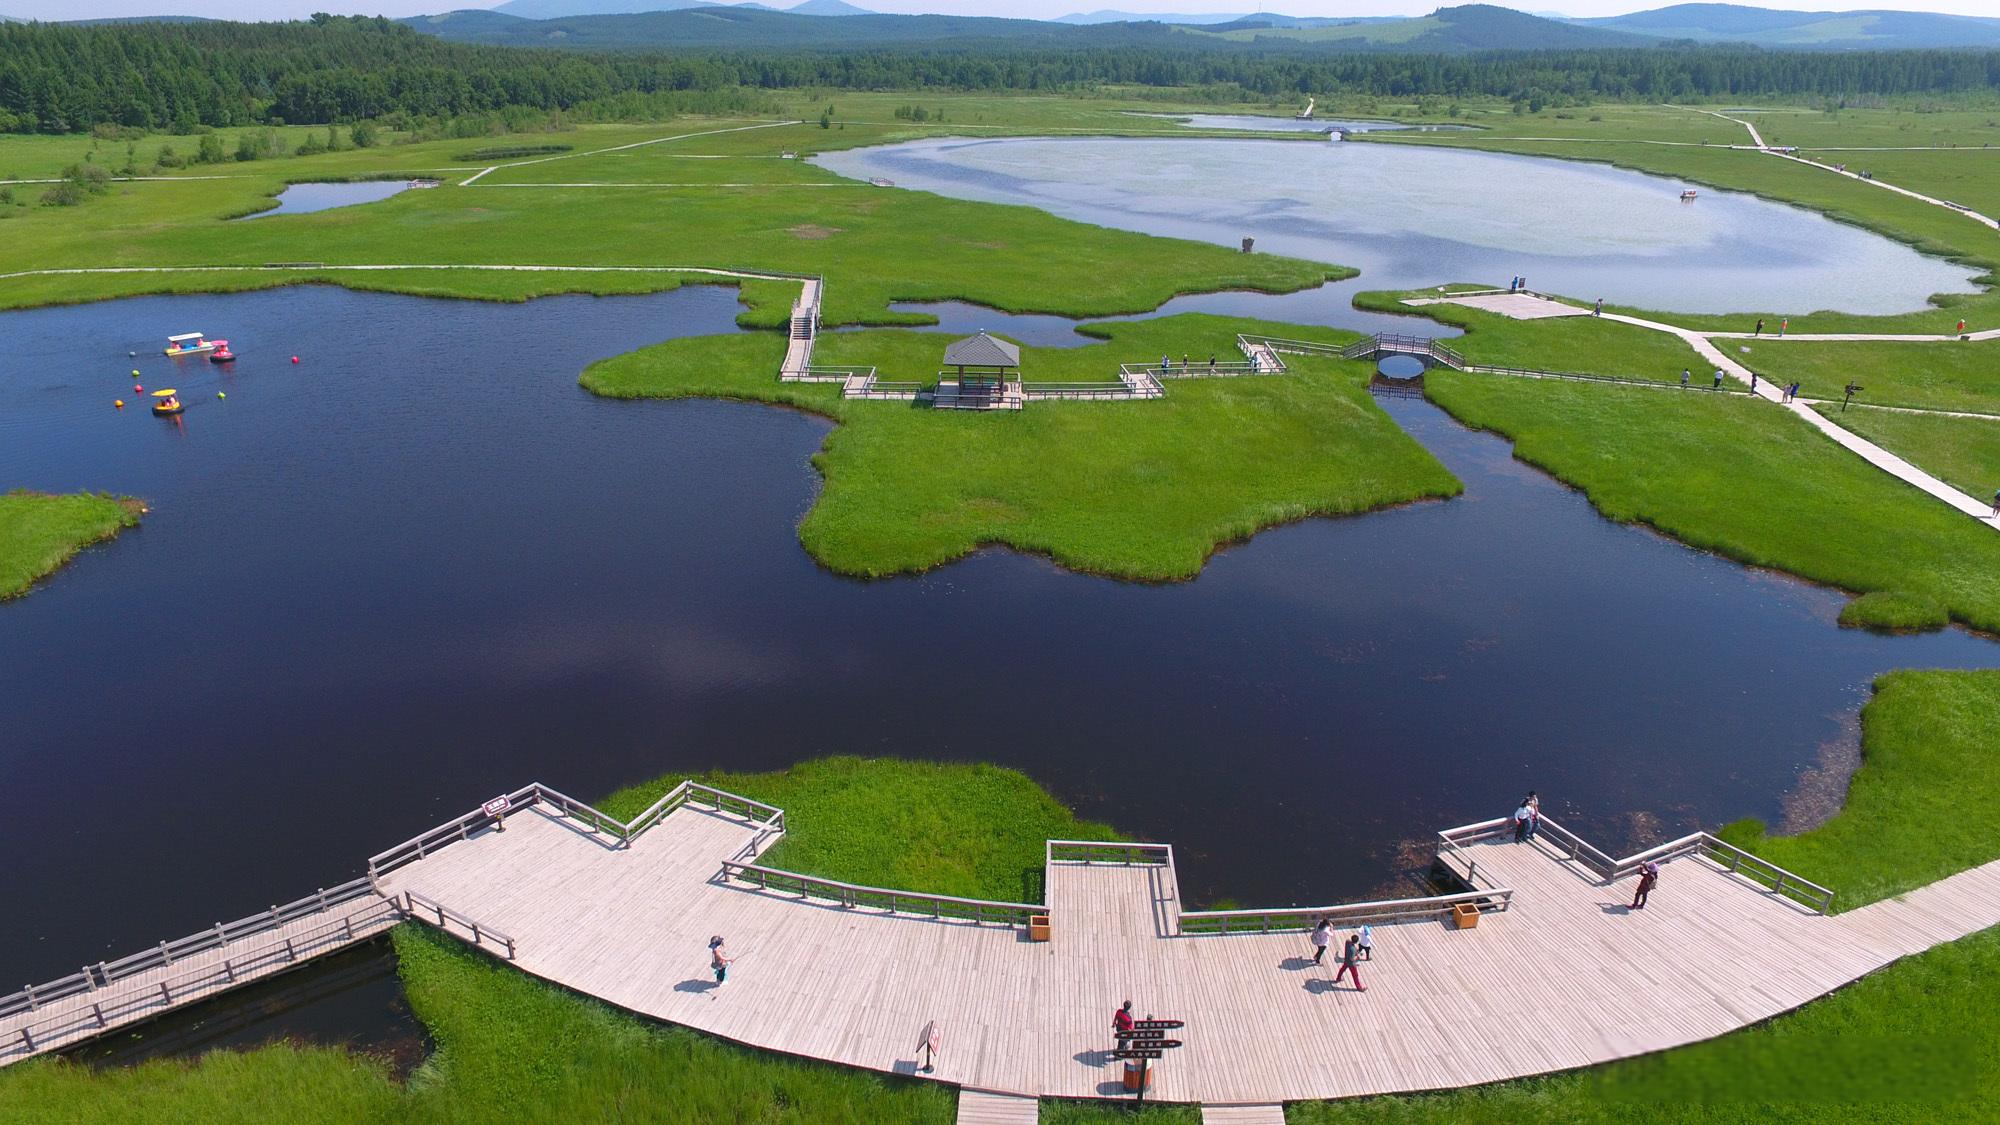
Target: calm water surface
(1261, 124)
(1410, 216)
(423, 566)
(300, 198)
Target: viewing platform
(1023, 992)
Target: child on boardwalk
(1350, 958)
(1322, 936)
(1367, 937)
(719, 958)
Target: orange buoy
(119, 403)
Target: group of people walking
(1359, 947)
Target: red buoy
(137, 389)
(295, 359)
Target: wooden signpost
(1146, 1041)
(497, 809)
(929, 1042)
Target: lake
(298, 199)
(423, 566)
(1410, 216)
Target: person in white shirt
(1322, 937)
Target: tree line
(180, 77)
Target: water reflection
(301, 198)
(423, 567)
(1412, 216)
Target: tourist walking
(719, 958)
(1996, 503)
(1961, 326)
(1649, 874)
(1523, 823)
(1599, 310)
(1166, 365)
(1685, 376)
(1211, 364)
(1350, 962)
(1760, 327)
(1782, 325)
(1322, 937)
(1718, 380)
(1121, 1023)
(1367, 937)
(1184, 361)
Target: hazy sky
(1044, 9)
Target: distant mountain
(828, 8)
(1109, 15)
(563, 9)
(1460, 30)
(740, 26)
(1470, 27)
(1875, 30)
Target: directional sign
(1136, 1053)
(1158, 1025)
(1149, 1033)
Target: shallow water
(1413, 216)
(352, 999)
(301, 198)
(423, 567)
(1262, 124)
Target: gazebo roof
(982, 351)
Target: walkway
(108, 996)
(1757, 139)
(1714, 357)
(857, 985)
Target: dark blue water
(300, 198)
(423, 566)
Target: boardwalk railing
(593, 819)
(78, 1020)
(1581, 376)
(1127, 387)
(1403, 344)
(419, 906)
(853, 896)
(105, 973)
(1769, 875)
(1109, 851)
(1345, 914)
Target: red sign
(496, 806)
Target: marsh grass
(39, 532)
(1139, 489)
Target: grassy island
(1144, 490)
(40, 532)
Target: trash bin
(1465, 915)
(1137, 1073)
(1038, 927)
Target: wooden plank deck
(984, 1107)
(193, 978)
(1443, 1008)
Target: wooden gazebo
(985, 374)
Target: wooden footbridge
(849, 974)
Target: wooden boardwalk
(1444, 1007)
(108, 1004)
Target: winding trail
(1757, 139)
(1854, 443)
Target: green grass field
(1959, 375)
(40, 532)
(1577, 343)
(1730, 474)
(1963, 452)
(1145, 489)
